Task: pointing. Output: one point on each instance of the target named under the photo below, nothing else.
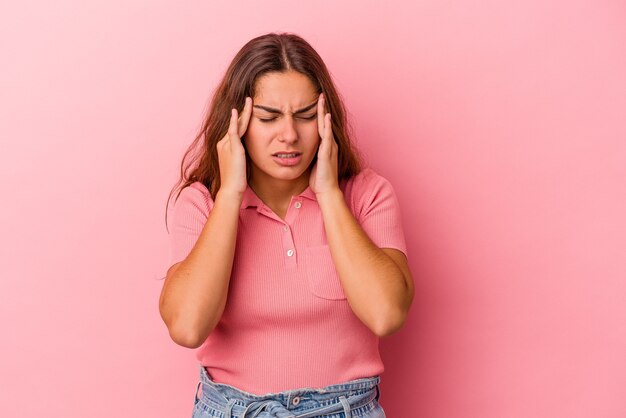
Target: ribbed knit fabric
(287, 323)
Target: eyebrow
(272, 110)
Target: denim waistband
(353, 398)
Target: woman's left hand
(325, 172)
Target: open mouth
(286, 155)
(287, 158)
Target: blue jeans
(356, 398)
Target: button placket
(289, 246)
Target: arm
(194, 294)
(195, 290)
(377, 282)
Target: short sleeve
(377, 209)
(189, 215)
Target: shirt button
(298, 204)
(289, 253)
(296, 400)
(286, 228)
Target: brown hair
(272, 52)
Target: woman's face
(284, 120)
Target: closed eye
(304, 118)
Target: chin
(283, 175)
(287, 173)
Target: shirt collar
(251, 199)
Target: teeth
(286, 155)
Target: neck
(276, 192)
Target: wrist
(229, 197)
(329, 196)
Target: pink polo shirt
(287, 323)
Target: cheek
(255, 128)
(311, 129)
(255, 135)
(313, 145)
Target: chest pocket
(322, 277)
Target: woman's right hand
(232, 155)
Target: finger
(320, 114)
(246, 113)
(324, 146)
(334, 146)
(328, 133)
(232, 126)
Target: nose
(288, 131)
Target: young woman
(288, 258)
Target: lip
(288, 161)
(286, 152)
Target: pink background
(502, 127)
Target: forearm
(194, 296)
(374, 284)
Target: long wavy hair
(272, 52)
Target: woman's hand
(232, 155)
(325, 172)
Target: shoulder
(195, 191)
(366, 182)
(366, 188)
(366, 177)
(194, 197)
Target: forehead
(286, 91)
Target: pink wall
(502, 127)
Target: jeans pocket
(322, 277)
